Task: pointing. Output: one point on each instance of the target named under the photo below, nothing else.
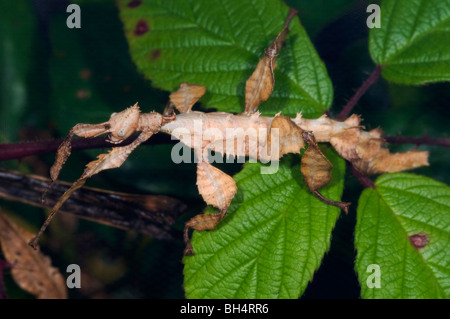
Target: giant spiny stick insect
(280, 135)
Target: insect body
(240, 135)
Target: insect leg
(259, 85)
(201, 222)
(316, 171)
(217, 189)
(120, 126)
(114, 158)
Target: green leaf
(401, 206)
(92, 74)
(413, 41)
(218, 44)
(271, 241)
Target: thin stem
(424, 140)
(373, 77)
(364, 180)
(19, 150)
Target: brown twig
(347, 109)
(423, 140)
(152, 215)
(373, 77)
(20, 150)
(364, 180)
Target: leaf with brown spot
(155, 54)
(31, 270)
(419, 240)
(134, 3)
(403, 227)
(141, 28)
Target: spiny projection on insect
(284, 135)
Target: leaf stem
(20, 150)
(373, 77)
(423, 140)
(364, 180)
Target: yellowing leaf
(31, 270)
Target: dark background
(48, 72)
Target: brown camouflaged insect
(284, 135)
